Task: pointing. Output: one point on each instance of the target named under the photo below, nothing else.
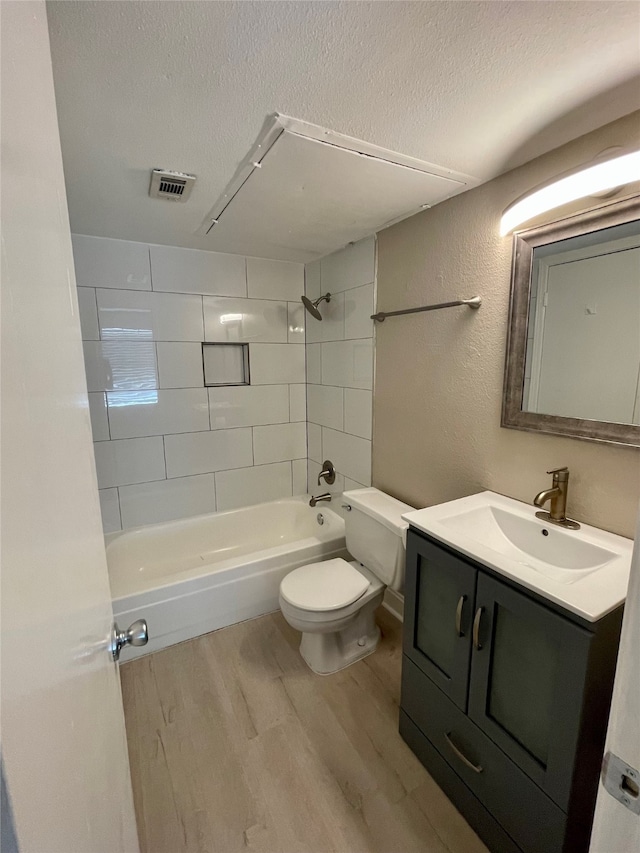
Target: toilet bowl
(335, 637)
(333, 603)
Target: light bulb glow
(592, 180)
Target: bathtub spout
(316, 499)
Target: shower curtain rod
(474, 302)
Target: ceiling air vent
(175, 186)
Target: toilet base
(326, 653)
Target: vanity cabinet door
(528, 673)
(439, 606)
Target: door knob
(136, 634)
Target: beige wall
(438, 385)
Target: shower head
(312, 307)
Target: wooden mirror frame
(524, 242)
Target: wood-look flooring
(236, 745)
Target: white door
(63, 738)
(616, 829)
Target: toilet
(333, 603)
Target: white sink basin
(586, 570)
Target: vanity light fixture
(594, 179)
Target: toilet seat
(325, 586)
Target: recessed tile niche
(225, 364)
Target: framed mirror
(573, 348)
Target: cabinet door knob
(461, 602)
(476, 628)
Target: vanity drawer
(535, 823)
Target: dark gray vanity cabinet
(505, 700)
(445, 589)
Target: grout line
(343, 387)
(119, 507)
(201, 474)
(106, 408)
(282, 300)
(140, 483)
(164, 451)
(198, 431)
(95, 302)
(178, 292)
(348, 340)
(136, 340)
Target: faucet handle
(328, 473)
(560, 475)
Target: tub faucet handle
(328, 473)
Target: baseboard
(394, 603)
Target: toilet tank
(376, 533)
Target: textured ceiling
(472, 86)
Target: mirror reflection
(583, 331)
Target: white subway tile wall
(276, 363)
(296, 318)
(253, 485)
(130, 460)
(274, 279)
(166, 447)
(340, 366)
(134, 316)
(98, 415)
(179, 364)
(88, 314)
(325, 405)
(357, 412)
(205, 452)
(299, 469)
(164, 500)
(100, 262)
(110, 509)
(133, 414)
(279, 442)
(245, 320)
(192, 271)
(248, 405)
(297, 402)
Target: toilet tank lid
(382, 507)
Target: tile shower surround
(340, 365)
(165, 446)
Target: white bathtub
(194, 575)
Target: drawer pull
(461, 602)
(475, 767)
(476, 628)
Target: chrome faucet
(317, 499)
(557, 495)
(328, 473)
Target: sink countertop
(585, 571)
